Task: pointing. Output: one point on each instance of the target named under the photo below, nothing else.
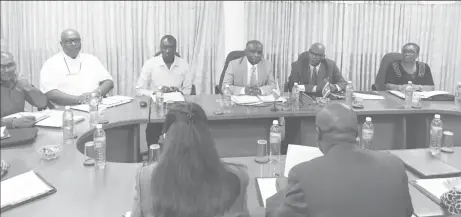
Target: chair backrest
(231, 56)
(160, 52)
(387, 60)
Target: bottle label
(275, 137)
(367, 134)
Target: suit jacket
(301, 73)
(142, 203)
(237, 76)
(346, 182)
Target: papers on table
(297, 154)
(41, 115)
(108, 102)
(424, 94)
(437, 187)
(4, 133)
(55, 119)
(254, 100)
(368, 96)
(23, 188)
(266, 188)
(173, 96)
(127, 214)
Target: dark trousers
(153, 133)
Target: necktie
(314, 76)
(253, 82)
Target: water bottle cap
(409, 82)
(437, 116)
(98, 126)
(154, 146)
(227, 85)
(67, 107)
(275, 122)
(296, 83)
(447, 133)
(368, 119)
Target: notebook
(297, 154)
(54, 119)
(425, 165)
(108, 102)
(266, 188)
(435, 188)
(22, 189)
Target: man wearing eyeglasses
(69, 77)
(251, 74)
(315, 71)
(14, 93)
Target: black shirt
(397, 75)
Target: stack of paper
(173, 96)
(297, 154)
(368, 96)
(437, 187)
(254, 100)
(55, 119)
(108, 102)
(38, 115)
(424, 94)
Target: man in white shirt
(251, 74)
(314, 71)
(167, 71)
(69, 77)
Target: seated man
(251, 74)
(346, 181)
(315, 71)
(14, 93)
(167, 71)
(400, 72)
(69, 77)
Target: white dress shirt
(155, 73)
(249, 75)
(72, 76)
(312, 76)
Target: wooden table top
(82, 191)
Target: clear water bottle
(436, 131)
(99, 139)
(93, 109)
(275, 141)
(295, 97)
(409, 94)
(67, 126)
(226, 97)
(458, 96)
(367, 134)
(349, 93)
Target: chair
(301, 58)
(192, 92)
(387, 60)
(231, 56)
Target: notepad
(297, 154)
(54, 119)
(106, 103)
(266, 188)
(23, 188)
(254, 100)
(435, 188)
(368, 96)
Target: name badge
(301, 87)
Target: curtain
(357, 35)
(121, 34)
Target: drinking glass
(89, 154)
(261, 156)
(49, 152)
(154, 153)
(416, 101)
(447, 145)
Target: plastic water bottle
(436, 131)
(349, 93)
(67, 126)
(226, 97)
(93, 110)
(295, 97)
(275, 141)
(458, 96)
(409, 94)
(99, 139)
(367, 134)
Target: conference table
(86, 191)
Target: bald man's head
(8, 67)
(336, 123)
(71, 42)
(316, 54)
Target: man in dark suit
(347, 181)
(251, 74)
(314, 71)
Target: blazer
(345, 182)
(237, 76)
(142, 203)
(301, 73)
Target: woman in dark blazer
(408, 69)
(189, 179)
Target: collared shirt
(72, 76)
(249, 74)
(155, 73)
(13, 98)
(312, 76)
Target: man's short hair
(412, 44)
(255, 42)
(169, 38)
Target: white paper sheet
(128, 214)
(174, 96)
(55, 119)
(267, 188)
(297, 154)
(254, 100)
(424, 94)
(38, 115)
(108, 102)
(437, 187)
(21, 188)
(3, 136)
(368, 96)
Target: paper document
(437, 187)
(173, 96)
(38, 115)
(266, 188)
(297, 154)
(254, 100)
(108, 102)
(368, 96)
(55, 119)
(127, 214)
(21, 188)
(424, 94)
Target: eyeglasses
(73, 41)
(409, 52)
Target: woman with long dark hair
(189, 179)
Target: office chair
(231, 56)
(387, 60)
